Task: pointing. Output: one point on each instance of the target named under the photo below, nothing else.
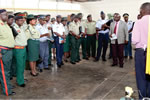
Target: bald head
(145, 9)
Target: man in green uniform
(20, 50)
(6, 45)
(83, 35)
(75, 40)
(91, 36)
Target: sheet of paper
(114, 37)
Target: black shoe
(104, 59)
(23, 85)
(131, 57)
(59, 66)
(11, 78)
(121, 66)
(33, 74)
(62, 63)
(47, 68)
(77, 61)
(73, 63)
(50, 64)
(13, 93)
(114, 65)
(109, 57)
(40, 70)
(125, 57)
(66, 60)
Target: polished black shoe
(23, 85)
(104, 59)
(47, 68)
(41, 70)
(131, 57)
(66, 60)
(59, 66)
(77, 61)
(13, 93)
(113, 65)
(62, 63)
(73, 63)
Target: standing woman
(66, 44)
(33, 44)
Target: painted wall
(112, 6)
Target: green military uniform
(33, 43)
(66, 44)
(20, 53)
(83, 39)
(74, 27)
(6, 40)
(91, 38)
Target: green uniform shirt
(32, 33)
(83, 25)
(21, 38)
(74, 27)
(6, 35)
(91, 27)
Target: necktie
(148, 51)
(115, 29)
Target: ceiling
(82, 0)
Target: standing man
(44, 46)
(6, 53)
(59, 36)
(103, 37)
(20, 50)
(91, 36)
(49, 27)
(119, 37)
(83, 39)
(75, 40)
(140, 36)
(128, 47)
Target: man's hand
(126, 42)
(78, 37)
(0, 56)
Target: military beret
(10, 16)
(31, 16)
(64, 19)
(125, 15)
(53, 19)
(18, 17)
(41, 17)
(76, 16)
(2, 10)
(102, 13)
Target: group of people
(31, 38)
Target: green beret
(31, 16)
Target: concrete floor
(85, 80)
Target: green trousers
(20, 60)
(75, 43)
(50, 52)
(91, 45)
(5, 66)
(84, 47)
(13, 67)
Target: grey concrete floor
(86, 80)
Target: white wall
(112, 6)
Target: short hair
(89, 16)
(10, 16)
(47, 15)
(72, 15)
(145, 5)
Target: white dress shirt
(99, 26)
(42, 30)
(58, 28)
